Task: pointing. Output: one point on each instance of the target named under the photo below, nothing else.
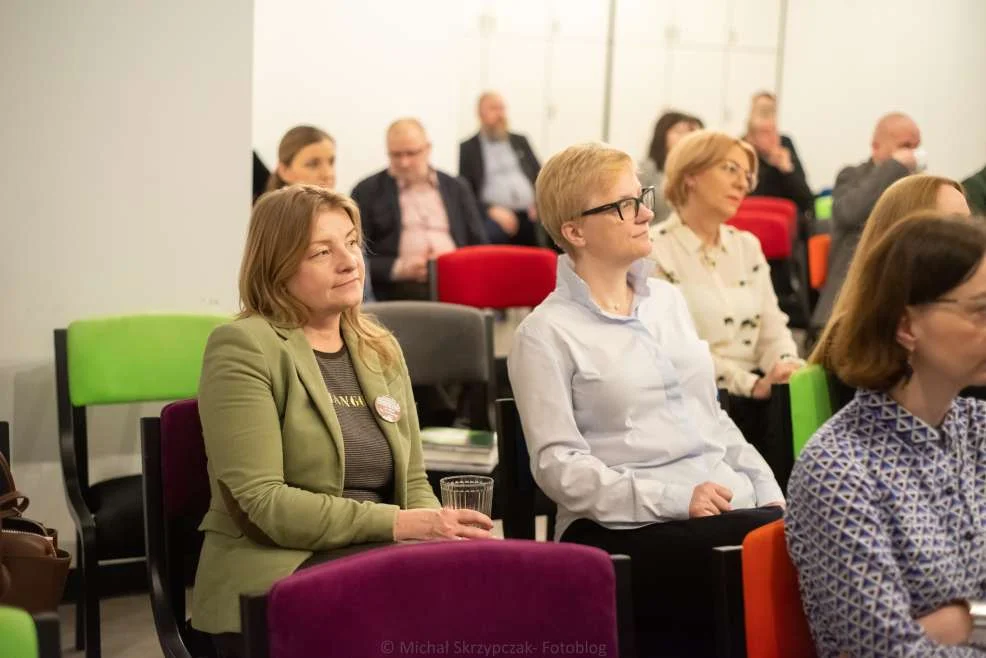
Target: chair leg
(90, 596)
(80, 606)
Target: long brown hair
(924, 256)
(906, 196)
(293, 141)
(279, 234)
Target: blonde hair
(280, 232)
(569, 178)
(695, 153)
(921, 258)
(293, 141)
(908, 195)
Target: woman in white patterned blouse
(723, 273)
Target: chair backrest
(774, 236)
(823, 207)
(416, 599)
(136, 358)
(446, 344)
(176, 497)
(776, 626)
(818, 259)
(519, 491)
(24, 636)
(785, 208)
(494, 276)
(811, 405)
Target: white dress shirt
(731, 299)
(620, 412)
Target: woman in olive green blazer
(274, 442)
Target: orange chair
(818, 259)
(776, 626)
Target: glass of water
(468, 492)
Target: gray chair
(446, 345)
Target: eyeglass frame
(615, 205)
(732, 168)
(962, 305)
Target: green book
(457, 438)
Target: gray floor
(128, 627)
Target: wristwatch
(977, 610)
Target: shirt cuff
(768, 491)
(677, 499)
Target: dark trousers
(230, 645)
(752, 418)
(674, 575)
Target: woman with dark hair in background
(670, 128)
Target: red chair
(771, 231)
(784, 207)
(493, 276)
(776, 626)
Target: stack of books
(459, 450)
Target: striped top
(369, 471)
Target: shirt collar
(691, 242)
(571, 286)
(402, 185)
(900, 421)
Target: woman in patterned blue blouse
(887, 503)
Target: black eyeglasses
(627, 207)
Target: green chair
(24, 636)
(811, 404)
(116, 360)
(823, 207)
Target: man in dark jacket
(857, 190)
(501, 168)
(412, 213)
(975, 191)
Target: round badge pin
(388, 408)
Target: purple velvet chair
(176, 497)
(448, 598)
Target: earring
(908, 370)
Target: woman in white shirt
(617, 398)
(723, 273)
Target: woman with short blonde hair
(617, 399)
(307, 413)
(723, 273)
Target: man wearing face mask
(412, 213)
(895, 153)
(501, 168)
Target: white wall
(849, 61)
(125, 133)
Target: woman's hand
(709, 499)
(950, 625)
(441, 524)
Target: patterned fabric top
(731, 298)
(886, 522)
(369, 465)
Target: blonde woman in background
(723, 273)
(908, 195)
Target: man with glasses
(413, 213)
(501, 168)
